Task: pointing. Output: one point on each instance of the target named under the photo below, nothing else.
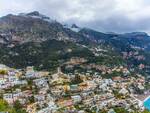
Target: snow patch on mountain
(37, 15)
(72, 27)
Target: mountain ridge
(32, 32)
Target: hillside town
(45, 92)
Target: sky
(103, 15)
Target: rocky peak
(74, 26)
(34, 13)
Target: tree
(3, 72)
(120, 110)
(77, 79)
(4, 107)
(18, 107)
(146, 111)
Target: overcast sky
(103, 15)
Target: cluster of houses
(42, 92)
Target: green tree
(77, 80)
(4, 107)
(18, 107)
(120, 110)
(146, 111)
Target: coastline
(142, 99)
(146, 98)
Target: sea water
(147, 103)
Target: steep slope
(133, 47)
(34, 27)
(45, 55)
(35, 39)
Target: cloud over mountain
(103, 15)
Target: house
(88, 101)
(57, 90)
(140, 86)
(41, 82)
(60, 80)
(74, 88)
(31, 108)
(8, 97)
(30, 73)
(12, 97)
(20, 82)
(91, 85)
(65, 103)
(81, 111)
(27, 93)
(52, 106)
(76, 98)
(13, 78)
(118, 79)
(124, 91)
(111, 111)
(2, 81)
(48, 110)
(39, 97)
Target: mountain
(133, 47)
(35, 39)
(33, 27)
